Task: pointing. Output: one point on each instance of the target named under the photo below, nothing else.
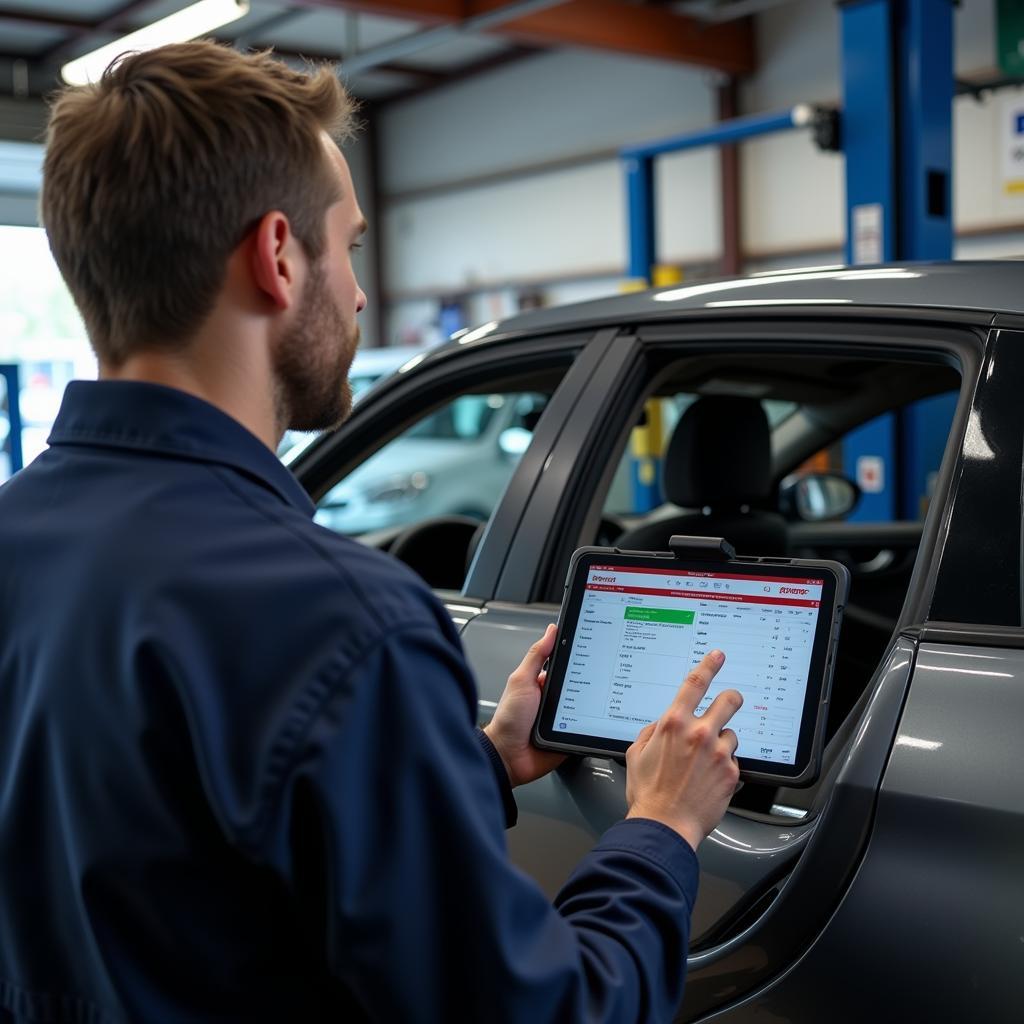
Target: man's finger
(722, 708)
(696, 684)
(529, 668)
(731, 740)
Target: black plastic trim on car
(639, 320)
(965, 634)
(842, 534)
(978, 577)
(907, 333)
(1010, 321)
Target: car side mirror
(819, 497)
(514, 441)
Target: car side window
(892, 459)
(454, 461)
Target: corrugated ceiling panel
(456, 54)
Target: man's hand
(681, 770)
(509, 730)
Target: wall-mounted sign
(1011, 135)
(867, 233)
(871, 474)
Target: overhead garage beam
(614, 25)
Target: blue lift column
(897, 140)
(639, 168)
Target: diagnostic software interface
(641, 630)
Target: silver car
(455, 461)
(890, 889)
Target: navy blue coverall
(239, 774)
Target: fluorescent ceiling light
(188, 23)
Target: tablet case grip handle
(709, 549)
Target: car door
(768, 881)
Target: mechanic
(239, 773)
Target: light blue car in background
(456, 461)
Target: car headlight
(399, 488)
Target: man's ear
(275, 255)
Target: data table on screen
(637, 639)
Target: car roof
(992, 286)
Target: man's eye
(355, 245)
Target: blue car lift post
(10, 375)
(896, 132)
(898, 82)
(638, 162)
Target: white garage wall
(537, 227)
(791, 194)
(565, 216)
(547, 107)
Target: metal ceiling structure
(395, 48)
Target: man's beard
(312, 360)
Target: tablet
(633, 624)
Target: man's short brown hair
(156, 173)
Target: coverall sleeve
(508, 800)
(428, 920)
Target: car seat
(719, 461)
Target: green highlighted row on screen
(683, 618)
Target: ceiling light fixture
(188, 23)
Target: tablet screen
(640, 630)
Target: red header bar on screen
(704, 595)
(706, 575)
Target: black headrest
(720, 453)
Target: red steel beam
(615, 25)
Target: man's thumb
(538, 653)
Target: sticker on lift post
(871, 474)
